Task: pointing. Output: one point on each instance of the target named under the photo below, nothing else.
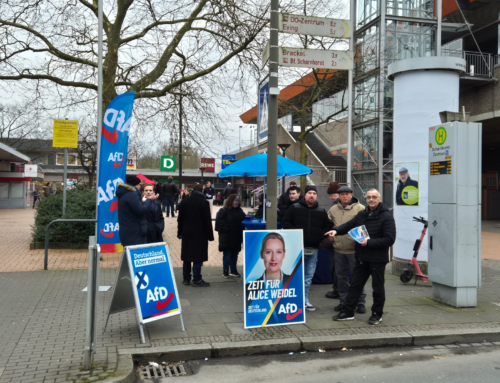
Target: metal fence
(477, 64)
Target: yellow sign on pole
(65, 134)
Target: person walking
(372, 255)
(154, 216)
(343, 246)
(132, 209)
(169, 192)
(228, 190)
(229, 225)
(332, 192)
(194, 229)
(313, 220)
(37, 197)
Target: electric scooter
(407, 273)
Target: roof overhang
(9, 154)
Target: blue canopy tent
(256, 166)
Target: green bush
(80, 204)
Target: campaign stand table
(257, 225)
(146, 282)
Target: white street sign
(265, 54)
(30, 170)
(315, 58)
(315, 26)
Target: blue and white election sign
(153, 283)
(263, 112)
(274, 278)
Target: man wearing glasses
(372, 255)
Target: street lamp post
(202, 169)
(239, 136)
(283, 148)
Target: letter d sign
(168, 164)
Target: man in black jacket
(228, 190)
(169, 195)
(209, 192)
(313, 220)
(372, 255)
(284, 204)
(284, 200)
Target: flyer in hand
(359, 233)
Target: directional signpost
(317, 26)
(315, 58)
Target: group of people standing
(141, 221)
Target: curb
(126, 372)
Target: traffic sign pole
(272, 135)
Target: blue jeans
(186, 271)
(229, 260)
(309, 269)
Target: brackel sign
(315, 58)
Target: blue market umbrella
(256, 166)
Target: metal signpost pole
(352, 16)
(65, 177)
(180, 141)
(272, 137)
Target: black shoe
(361, 309)
(338, 308)
(201, 283)
(235, 274)
(343, 316)
(375, 319)
(332, 295)
(187, 283)
(225, 274)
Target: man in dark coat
(284, 202)
(169, 196)
(405, 181)
(209, 191)
(228, 190)
(194, 228)
(313, 220)
(132, 209)
(372, 255)
(154, 216)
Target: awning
(9, 154)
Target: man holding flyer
(372, 255)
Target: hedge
(80, 204)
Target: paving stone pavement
(43, 312)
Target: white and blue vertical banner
(153, 282)
(112, 168)
(273, 278)
(263, 112)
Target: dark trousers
(186, 271)
(332, 270)
(168, 204)
(363, 271)
(229, 260)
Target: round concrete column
(423, 87)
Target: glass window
(16, 190)
(405, 40)
(365, 151)
(367, 11)
(72, 160)
(411, 8)
(366, 99)
(329, 106)
(367, 51)
(361, 184)
(4, 190)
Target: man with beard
(313, 220)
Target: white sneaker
(310, 307)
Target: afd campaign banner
(112, 168)
(154, 285)
(274, 278)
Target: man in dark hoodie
(292, 196)
(313, 220)
(372, 255)
(132, 209)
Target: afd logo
(109, 194)
(109, 229)
(110, 118)
(291, 310)
(117, 158)
(157, 295)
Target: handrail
(46, 262)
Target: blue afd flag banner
(112, 168)
(273, 278)
(153, 281)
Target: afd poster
(406, 179)
(273, 278)
(153, 283)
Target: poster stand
(128, 282)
